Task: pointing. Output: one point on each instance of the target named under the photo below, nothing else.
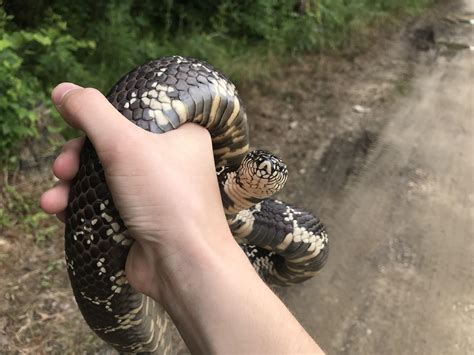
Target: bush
(30, 63)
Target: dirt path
(400, 279)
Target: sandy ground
(379, 144)
(400, 277)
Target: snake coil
(285, 245)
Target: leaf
(42, 39)
(5, 43)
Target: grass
(38, 314)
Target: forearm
(220, 305)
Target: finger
(54, 200)
(89, 110)
(66, 165)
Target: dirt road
(400, 278)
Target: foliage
(43, 42)
(19, 211)
(30, 62)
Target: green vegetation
(44, 42)
(19, 212)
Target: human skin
(184, 255)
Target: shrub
(30, 63)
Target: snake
(285, 244)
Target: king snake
(284, 244)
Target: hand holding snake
(159, 254)
(152, 199)
(165, 189)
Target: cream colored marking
(94, 221)
(118, 237)
(133, 100)
(285, 242)
(161, 119)
(147, 304)
(115, 226)
(146, 100)
(127, 242)
(166, 106)
(248, 219)
(180, 110)
(224, 136)
(134, 94)
(163, 97)
(126, 105)
(267, 166)
(312, 255)
(198, 118)
(102, 207)
(155, 105)
(161, 87)
(216, 99)
(163, 329)
(107, 217)
(235, 112)
(153, 85)
(150, 339)
(121, 281)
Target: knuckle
(92, 94)
(79, 100)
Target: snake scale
(284, 244)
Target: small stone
(360, 109)
(294, 124)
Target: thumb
(88, 110)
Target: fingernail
(61, 90)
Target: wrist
(196, 252)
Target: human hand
(184, 256)
(164, 186)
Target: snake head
(262, 174)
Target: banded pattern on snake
(285, 244)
